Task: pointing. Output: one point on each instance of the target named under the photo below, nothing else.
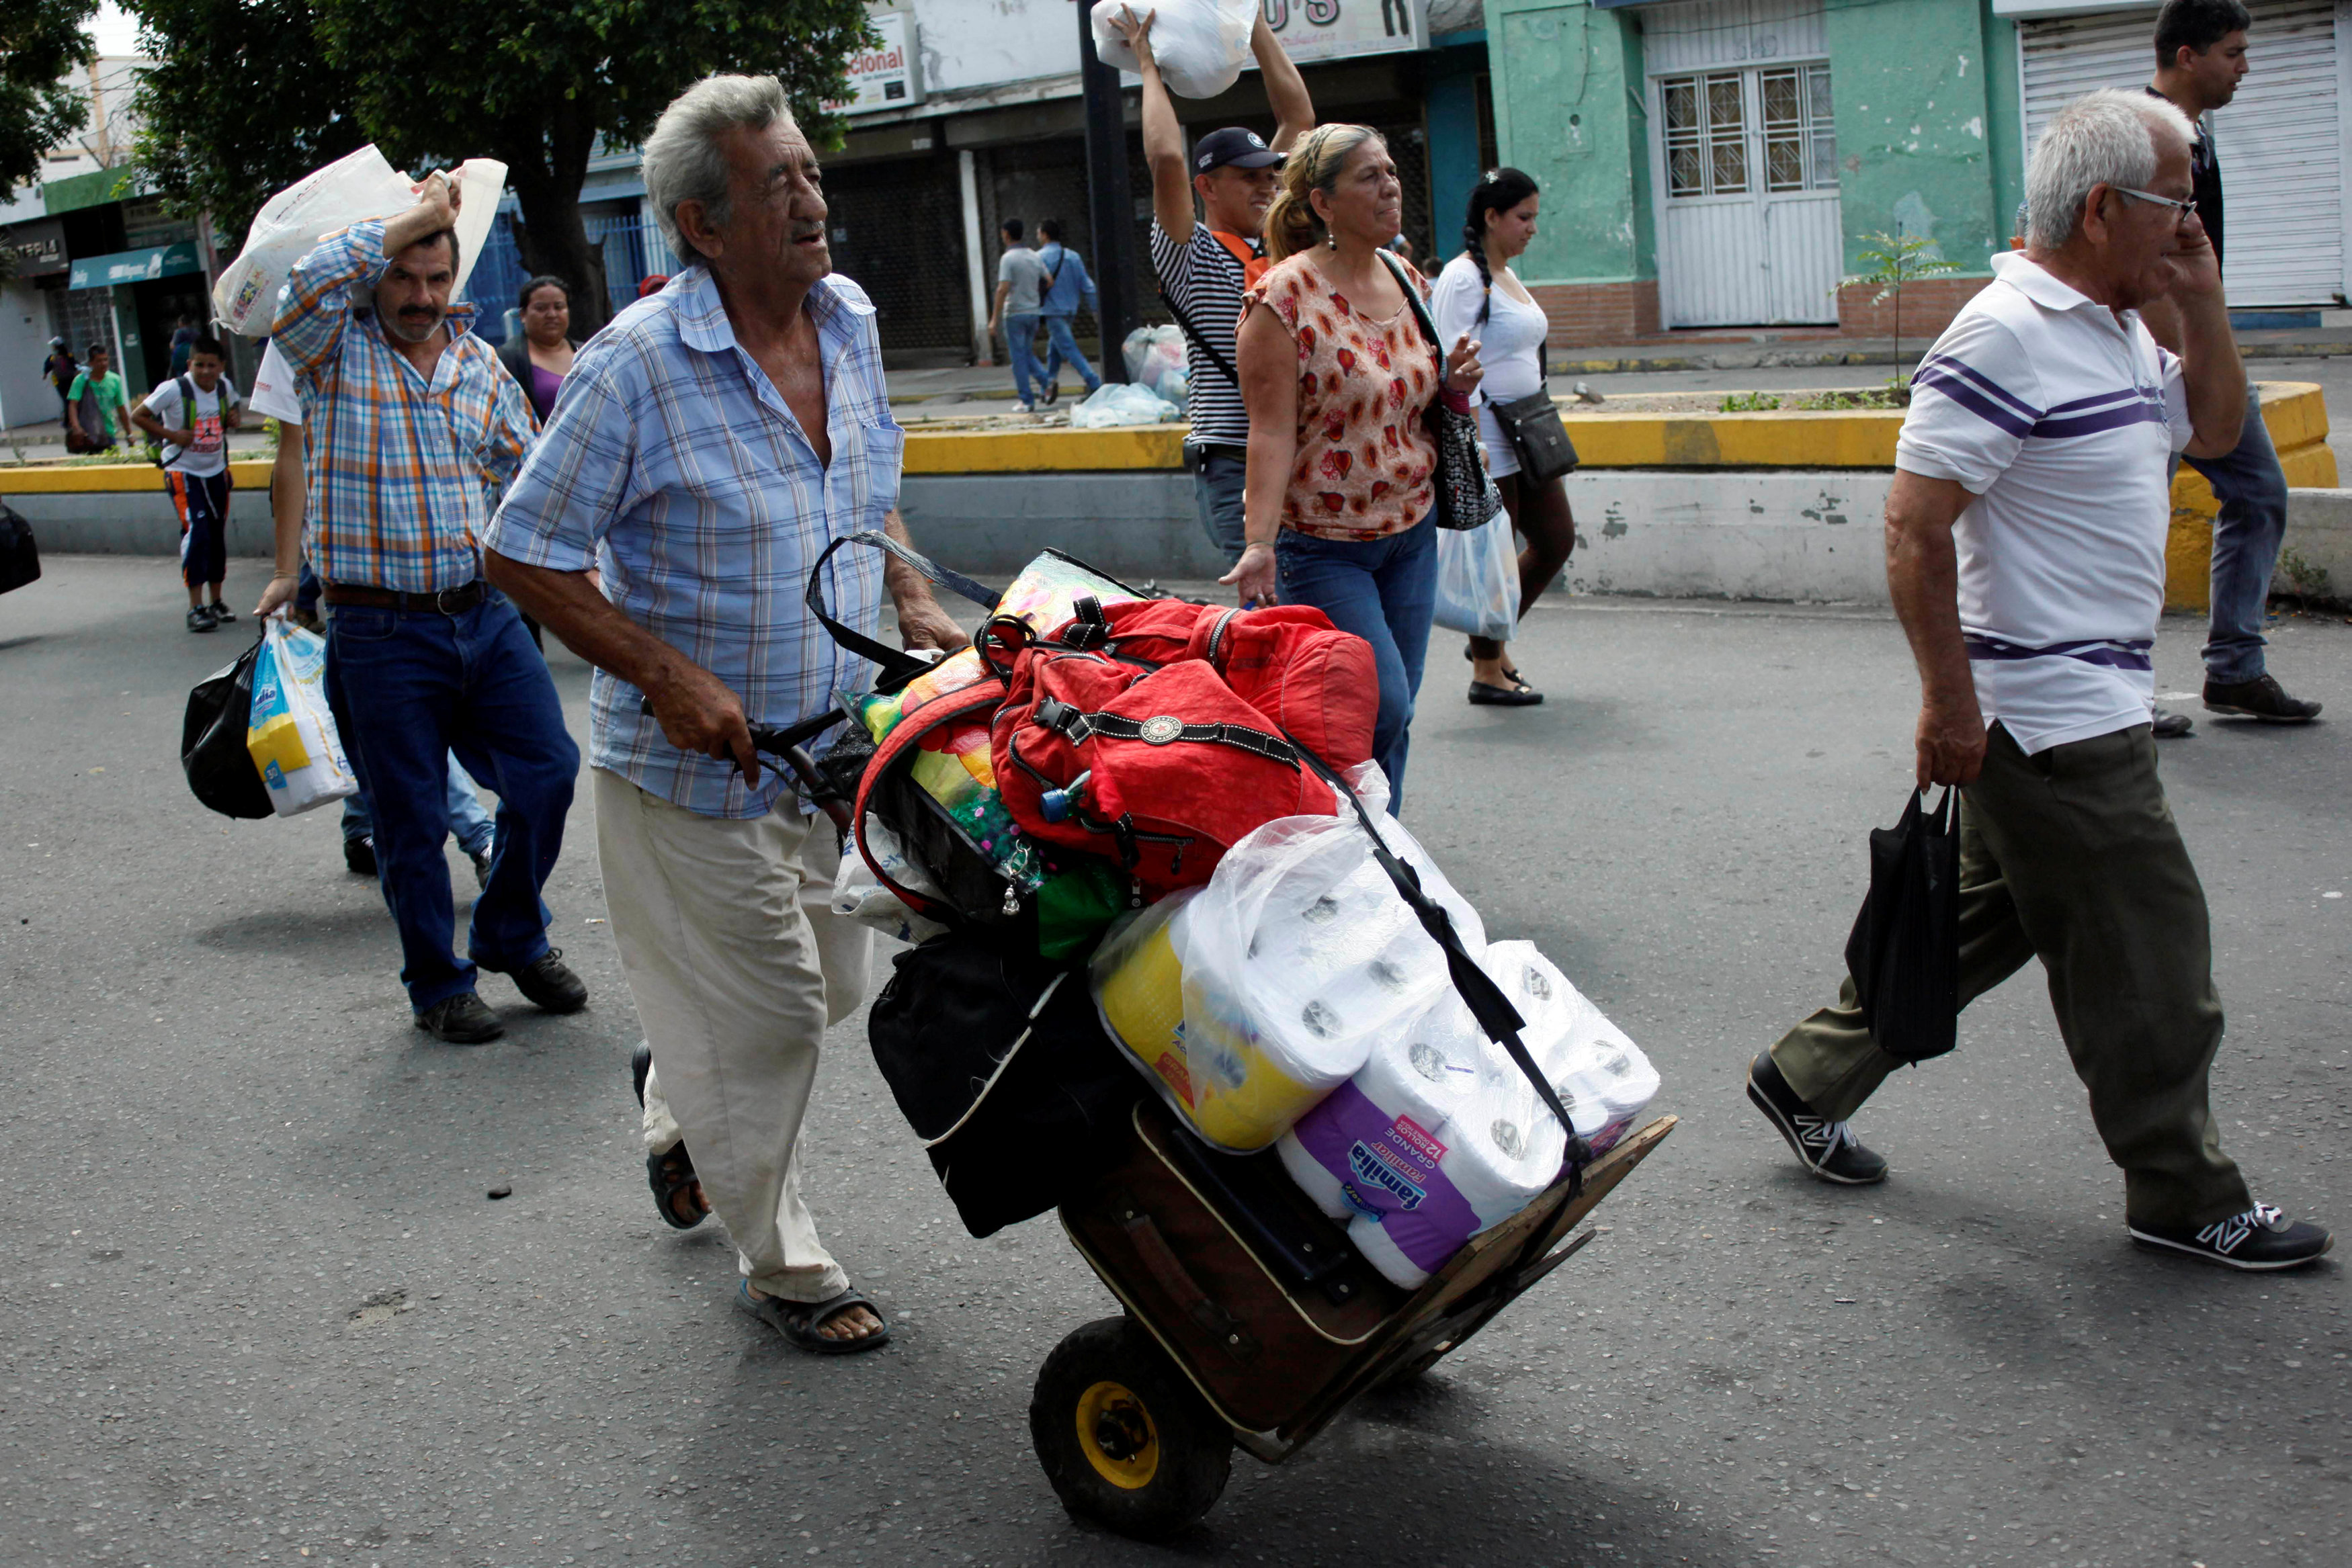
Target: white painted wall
(986, 43)
(25, 397)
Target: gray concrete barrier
(2316, 559)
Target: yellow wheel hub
(1116, 1433)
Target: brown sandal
(671, 1175)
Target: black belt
(1238, 452)
(447, 602)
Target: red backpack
(1161, 732)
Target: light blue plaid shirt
(672, 464)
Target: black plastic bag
(212, 741)
(20, 560)
(1001, 1066)
(1904, 953)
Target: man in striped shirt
(2025, 536)
(413, 421)
(1203, 274)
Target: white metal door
(2281, 143)
(1744, 160)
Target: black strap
(1224, 366)
(1420, 314)
(1080, 727)
(1484, 998)
(898, 666)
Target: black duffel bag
(20, 558)
(212, 741)
(1001, 1066)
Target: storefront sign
(1335, 29)
(34, 249)
(134, 266)
(883, 77)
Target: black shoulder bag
(1532, 424)
(1466, 498)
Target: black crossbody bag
(1532, 424)
(1466, 498)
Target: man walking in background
(1203, 266)
(1021, 283)
(97, 408)
(2025, 536)
(192, 414)
(2201, 58)
(1067, 287)
(60, 370)
(411, 413)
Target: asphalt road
(255, 1306)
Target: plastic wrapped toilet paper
(1416, 1085)
(1601, 1071)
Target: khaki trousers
(738, 967)
(2073, 856)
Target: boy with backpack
(192, 415)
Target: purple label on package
(1387, 1169)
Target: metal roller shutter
(2281, 143)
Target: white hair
(683, 162)
(2103, 138)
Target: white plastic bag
(1201, 44)
(1155, 360)
(858, 894)
(358, 185)
(1478, 579)
(1119, 402)
(290, 735)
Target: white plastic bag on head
(1201, 44)
(290, 734)
(1478, 579)
(1119, 402)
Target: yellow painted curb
(115, 477)
(1136, 446)
(2295, 415)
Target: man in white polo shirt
(2025, 536)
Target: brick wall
(1929, 306)
(1599, 313)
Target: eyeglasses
(2182, 211)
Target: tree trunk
(550, 235)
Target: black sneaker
(2171, 726)
(1052, 395)
(359, 855)
(2262, 1238)
(2261, 697)
(549, 985)
(461, 1019)
(200, 619)
(221, 613)
(641, 1063)
(1829, 1149)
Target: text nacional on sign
(885, 76)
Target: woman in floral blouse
(1339, 379)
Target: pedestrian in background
(183, 345)
(1067, 287)
(411, 422)
(97, 408)
(2201, 58)
(59, 370)
(2025, 545)
(274, 396)
(716, 875)
(1478, 293)
(539, 357)
(192, 415)
(1338, 378)
(1020, 300)
(1203, 264)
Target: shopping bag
(290, 734)
(20, 559)
(220, 770)
(1200, 46)
(1904, 953)
(1478, 579)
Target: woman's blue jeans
(1384, 590)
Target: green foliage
(1862, 397)
(41, 42)
(241, 106)
(1896, 260)
(2309, 578)
(1750, 403)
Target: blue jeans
(408, 688)
(467, 819)
(1217, 492)
(1384, 590)
(1021, 337)
(2251, 489)
(1062, 349)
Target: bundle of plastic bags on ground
(1296, 1002)
(1122, 403)
(1200, 46)
(1155, 360)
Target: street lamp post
(1109, 207)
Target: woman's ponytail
(1497, 191)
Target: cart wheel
(1124, 1439)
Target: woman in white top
(1478, 293)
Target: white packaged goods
(358, 185)
(290, 735)
(1121, 403)
(1440, 1136)
(858, 894)
(1201, 44)
(1249, 1000)
(1155, 360)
